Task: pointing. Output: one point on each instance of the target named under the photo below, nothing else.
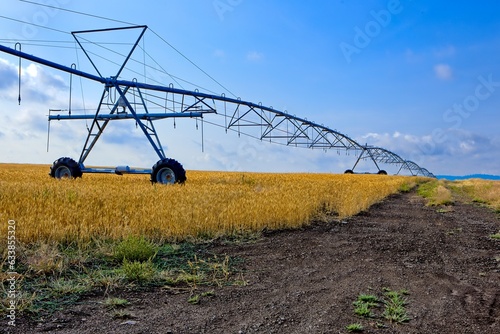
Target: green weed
(64, 286)
(364, 304)
(393, 302)
(135, 249)
(140, 272)
(355, 328)
(495, 236)
(395, 306)
(406, 187)
(371, 299)
(121, 314)
(436, 192)
(195, 299)
(363, 310)
(427, 189)
(114, 302)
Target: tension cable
(19, 98)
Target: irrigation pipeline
(244, 117)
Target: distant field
(480, 191)
(209, 204)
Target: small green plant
(395, 306)
(140, 272)
(195, 299)
(64, 286)
(114, 302)
(355, 328)
(406, 187)
(135, 249)
(495, 236)
(109, 280)
(369, 299)
(363, 305)
(210, 293)
(122, 314)
(443, 210)
(363, 310)
(190, 278)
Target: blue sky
(420, 78)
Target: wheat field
(209, 204)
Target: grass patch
(116, 302)
(139, 272)
(195, 299)
(406, 187)
(64, 286)
(135, 249)
(363, 310)
(353, 328)
(427, 189)
(395, 303)
(480, 192)
(52, 277)
(389, 307)
(122, 314)
(364, 304)
(436, 192)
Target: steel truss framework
(135, 99)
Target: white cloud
(412, 57)
(218, 53)
(255, 56)
(445, 52)
(32, 70)
(451, 151)
(443, 72)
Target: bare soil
(306, 280)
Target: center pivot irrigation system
(134, 100)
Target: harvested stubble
(209, 204)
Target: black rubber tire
(65, 168)
(168, 171)
(349, 171)
(382, 172)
